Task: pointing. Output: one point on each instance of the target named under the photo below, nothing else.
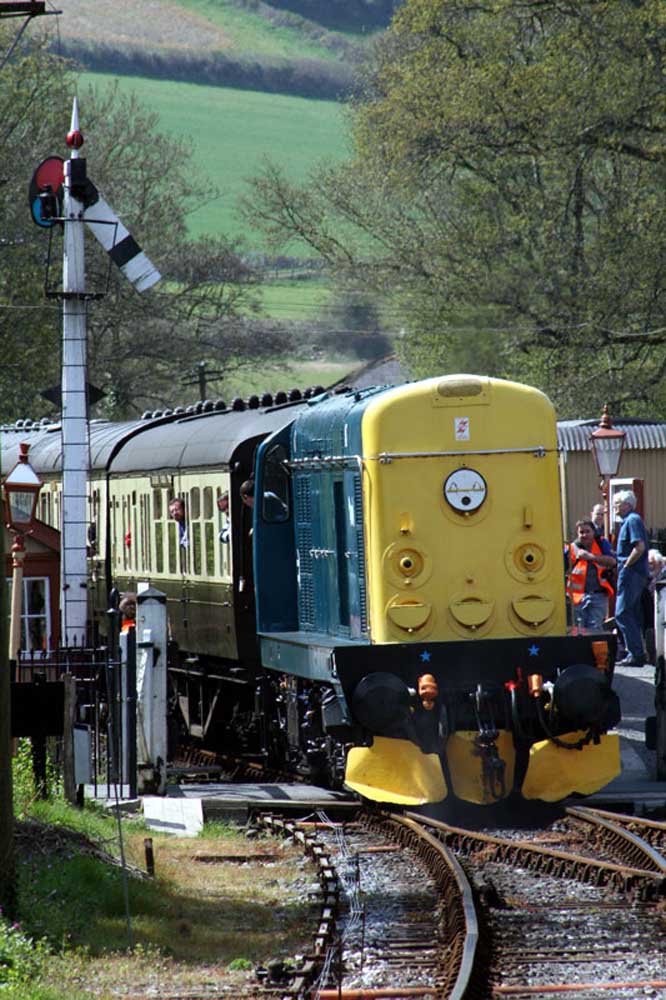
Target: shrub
(20, 958)
(240, 965)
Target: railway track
(424, 909)
(556, 919)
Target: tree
(506, 192)
(138, 345)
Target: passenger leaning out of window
(177, 514)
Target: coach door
(276, 505)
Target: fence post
(69, 785)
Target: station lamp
(606, 444)
(22, 486)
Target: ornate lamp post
(606, 444)
(22, 486)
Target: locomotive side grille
(360, 553)
(303, 512)
(303, 501)
(306, 604)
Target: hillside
(304, 47)
(229, 132)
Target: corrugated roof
(642, 435)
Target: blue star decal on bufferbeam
(533, 650)
(425, 656)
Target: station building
(643, 459)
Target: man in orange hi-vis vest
(587, 585)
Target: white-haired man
(597, 516)
(632, 561)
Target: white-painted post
(151, 685)
(75, 450)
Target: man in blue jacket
(632, 563)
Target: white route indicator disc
(465, 490)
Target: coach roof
(171, 442)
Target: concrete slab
(233, 802)
(180, 816)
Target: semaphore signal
(61, 193)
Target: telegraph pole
(75, 448)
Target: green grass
(231, 131)
(194, 925)
(254, 34)
(294, 299)
(285, 373)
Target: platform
(636, 789)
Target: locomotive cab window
(275, 500)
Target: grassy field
(299, 300)
(285, 373)
(199, 25)
(252, 33)
(230, 131)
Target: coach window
(145, 533)
(135, 536)
(159, 547)
(275, 500)
(209, 532)
(57, 523)
(93, 519)
(113, 510)
(195, 528)
(196, 548)
(158, 529)
(45, 507)
(172, 539)
(195, 503)
(127, 531)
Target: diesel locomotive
(389, 615)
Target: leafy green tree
(506, 193)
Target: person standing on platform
(632, 561)
(127, 608)
(587, 585)
(598, 520)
